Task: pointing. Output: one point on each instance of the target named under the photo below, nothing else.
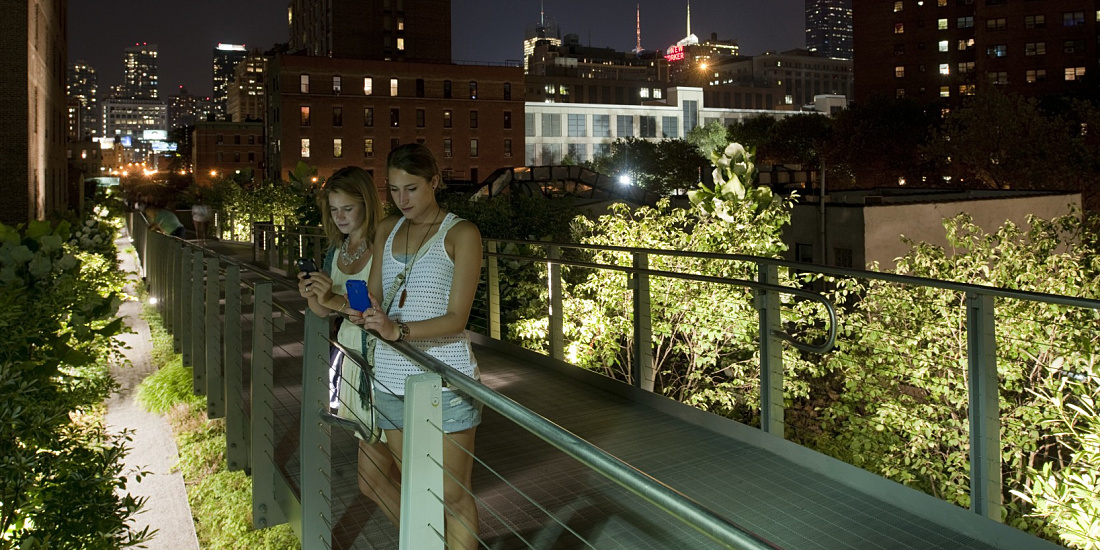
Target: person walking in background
(163, 220)
(200, 216)
(350, 212)
(425, 274)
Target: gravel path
(153, 448)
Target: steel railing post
(492, 288)
(556, 327)
(985, 412)
(771, 353)
(265, 508)
(236, 421)
(215, 380)
(316, 437)
(421, 476)
(641, 370)
(197, 335)
(181, 304)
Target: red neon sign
(675, 53)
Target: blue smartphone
(358, 298)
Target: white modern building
(584, 131)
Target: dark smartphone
(305, 265)
(358, 298)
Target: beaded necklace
(351, 257)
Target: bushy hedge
(61, 474)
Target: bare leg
(380, 475)
(461, 508)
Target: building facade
(139, 76)
(829, 28)
(185, 109)
(222, 148)
(799, 74)
(397, 30)
(332, 113)
(226, 58)
(33, 109)
(135, 124)
(584, 131)
(84, 88)
(941, 50)
(571, 73)
(246, 91)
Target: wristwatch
(402, 331)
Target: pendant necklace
(408, 268)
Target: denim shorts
(460, 411)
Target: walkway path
(153, 447)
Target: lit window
(941, 3)
(1000, 50)
(941, 24)
(945, 91)
(304, 84)
(393, 87)
(337, 148)
(966, 44)
(400, 23)
(945, 69)
(336, 84)
(1073, 19)
(1074, 73)
(898, 6)
(942, 45)
(400, 43)
(899, 71)
(368, 85)
(643, 93)
(1036, 75)
(305, 148)
(447, 118)
(656, 93)
(899, 28)
(966, 89)
(305, 115)
(1035, 48)
(368, 147)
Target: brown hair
(415, 159)
(356, 183)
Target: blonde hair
(356, 183)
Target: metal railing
(203, 298)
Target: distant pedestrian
(200, 216)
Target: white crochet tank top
(428, 288)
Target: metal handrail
(824, 348)
(999, 292)
(682, 507)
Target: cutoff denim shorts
(460, 411)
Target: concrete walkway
(153, 447)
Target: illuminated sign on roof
(675, 53)
(231, 47)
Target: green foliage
(663, 167)
(1006, 141)
(277, 202)
(220, 500)
(515, 216)
(893, 397)
(704, 334)
(62, 479)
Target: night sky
(482, 30)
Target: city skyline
(100, 31)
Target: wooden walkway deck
(791, 496)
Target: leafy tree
(661, 167)
(797, 139)
(1003, 141)
(751, 132)
(877, 142)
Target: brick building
(332, 113)
(221, 148)
(941, 50)
(397, 30)
(33, 110)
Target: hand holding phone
(305, 265)
(358, 298)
